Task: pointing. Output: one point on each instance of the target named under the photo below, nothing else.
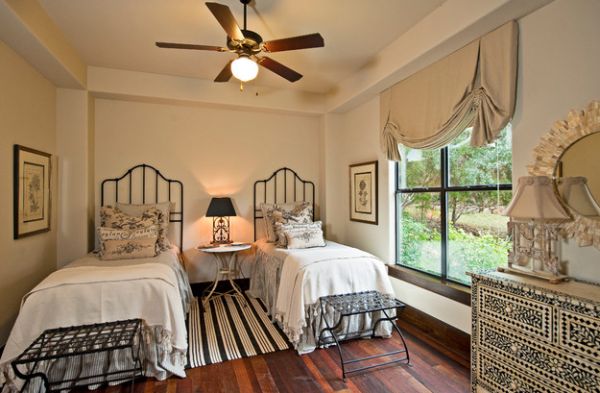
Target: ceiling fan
(248, 44)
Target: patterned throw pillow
(138, 210)
(114, 242)
(298, 212)
(111, 217)
(127, 244)
(129, 248)
(280, 230)
(307, 236)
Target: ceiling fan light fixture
(244, 68)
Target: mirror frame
(549, 151)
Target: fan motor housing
(250, 44)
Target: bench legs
(343, 362)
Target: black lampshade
(220, 207)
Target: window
(449, 205)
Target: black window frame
(443, 192)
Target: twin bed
(90, 290)
(289, 282)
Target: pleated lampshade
(535, 199)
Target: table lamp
(535, 214)
(220, 209)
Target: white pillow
(306, 236)
(280, 230)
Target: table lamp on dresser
(220, 209)
(535, 217)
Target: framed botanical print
(363, 192)
(32, 199)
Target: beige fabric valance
(474, 86)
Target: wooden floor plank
(245, 378)
(291, 374)
(264, 377)
(331, 370)
(316, 374)
(319, 371)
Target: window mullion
(444, 211)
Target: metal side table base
(227, 269)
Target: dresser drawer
(496, 376)
(524, 315)
(525, 355)
(579, 333)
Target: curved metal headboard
(173, 187)
(283, 195)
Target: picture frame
(364, 192)
(32, 191)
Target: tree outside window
(449, 207)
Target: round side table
(227, 268)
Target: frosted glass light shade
(534, 199)
(244, 69)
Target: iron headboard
(283, 195)
(169, 187)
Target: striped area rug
(227, 330)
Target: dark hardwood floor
(319, 371)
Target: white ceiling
(121, 34)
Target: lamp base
(551, 278)
(221, 242)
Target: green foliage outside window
(476, 228)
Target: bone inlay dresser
(532, 336)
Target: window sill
(444, 288)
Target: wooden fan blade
(226, 20)
(225, 73)
(174, 45)
(293, 43)
(279, 69)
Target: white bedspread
(311, 273)
(81, 294)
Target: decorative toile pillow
(129, 248)
(125, 234)
(111, 217)
(165, 209)
(280, 230)
(298, 212)
(128, 244)
(306, 236)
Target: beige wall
(73, 148)
(27, 117)
(558, 71)
(352, 138)
(215, 152)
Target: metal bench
(85, 355)
(357, 303)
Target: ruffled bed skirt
(160, 358)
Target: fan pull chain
(241, 86)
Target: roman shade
(474, 86)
